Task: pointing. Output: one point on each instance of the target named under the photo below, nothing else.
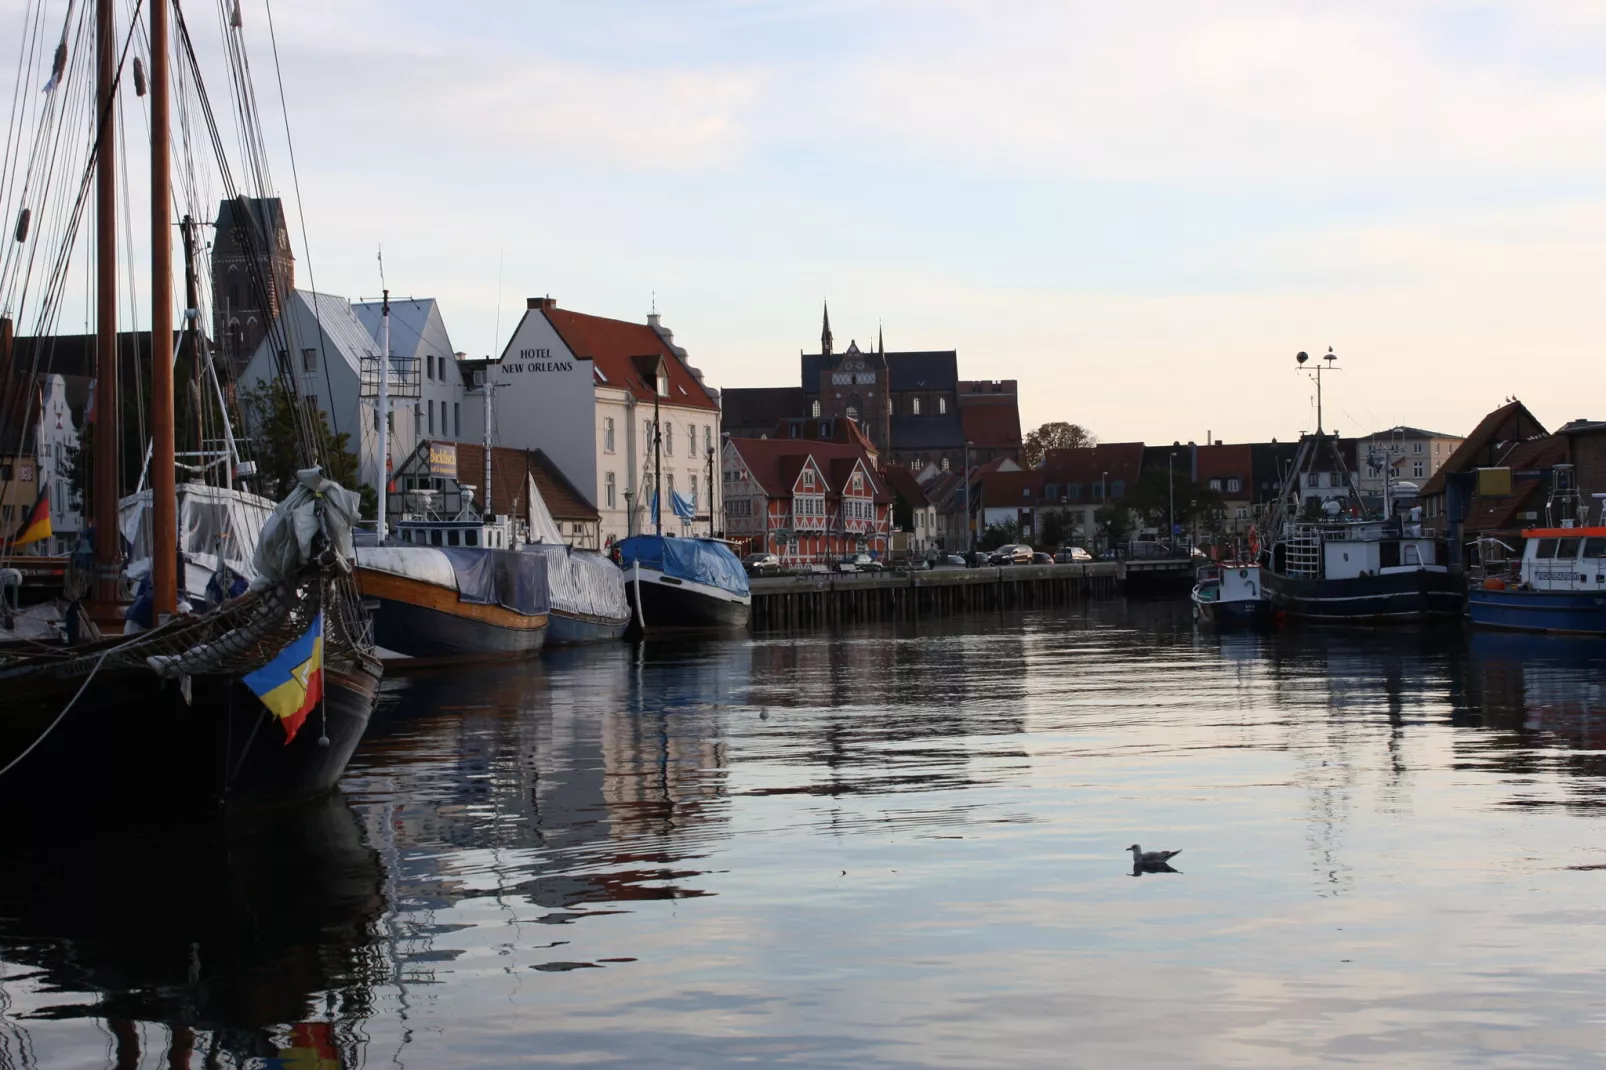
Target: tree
(1114, 521)
(998, 535)
(1054, 529)
(279, 452)
(903, 514)
(1057, 435)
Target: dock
(830, 598)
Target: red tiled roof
(1087, 464)
(992, 424)
(1485, 445)
(563, 499)
(902, 482)
(776, 462)
(613, 344)
(1226, 462)
(1005, 489)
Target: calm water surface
(888, 847)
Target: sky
(1139, 212)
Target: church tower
(825, 333)
(253, 273)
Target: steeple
(880, 343)
(825, 332)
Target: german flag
(36, 525)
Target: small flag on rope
(36, 525)
(291, 684)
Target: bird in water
(1140, 857)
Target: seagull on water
(1140, 857)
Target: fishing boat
(1558, 584)
(684, 583)
(1326, 558)
(258, 700)
(1231, 595)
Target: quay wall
(793, 601)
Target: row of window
(858, 509)
(610, 489)
(1231, 485)
(942, 406)
(609, 442)
(1072, 492)
(453, 537)
(1567, 549)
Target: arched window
(914, 406)
(816, 410)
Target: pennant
(36, 525)
(291, 684)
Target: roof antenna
(655, 302)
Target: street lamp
(1171, 501)
(1104, 496)
(970, 533)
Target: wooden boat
(679, 584)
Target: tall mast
(164, 500)
(485, 510)
(657, 457)
(383, 405)
(108, 540)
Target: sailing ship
(1326, 557)
(179, 718)
(1558, 584)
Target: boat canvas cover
(697, 560)
(507, 578)
(582, 583)
(421, 563)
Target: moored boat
(680, 584)
(586, 594)
(1558, 584)
(1231, 595)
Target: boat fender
(1494, 583)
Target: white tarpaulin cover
(285, 544)
(419, 563)
(543, 528)
(583, 583)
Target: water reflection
(892, 846)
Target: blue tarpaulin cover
(698, 560)
(504, 578)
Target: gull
(1140, 857)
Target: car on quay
(1072, 555)
(762, 565)
(1017, 553)
(866, 563)
(1041, 558)
(952, 561)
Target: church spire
(825, 331)
(880, 342)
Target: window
(1566, 549)
(646, 432)
(309, 360)
(853, 412)
(1547, 549)
(663, 384)
(942, 406)
(429, 366)
(1242, 513)
(1026, 492)
(945, 464)
(457, 419)
(671, 493)
(431, 417)
(418, 419)
(1416, 447)
(1418, 470)
(669, 440)
(607, 435)
(815, 409)
(1595, 547)
(471, 538)
(708, 438)
(914, 406)
(808, 479)
(1073, 492)
(1233, 486)
(452, 537)
(1413, 556)
(611, 487)
(435, 537)
(694, 491)
(1215, 485)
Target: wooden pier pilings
(800, 601)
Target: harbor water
(883, 846)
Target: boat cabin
(1564, 559)
(422, 526)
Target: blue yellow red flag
(291, 684)
(36, 525)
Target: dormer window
(663, 384)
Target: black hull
(131, 747)
(572, 629)
(425, 632)
(669, 604)
(1390, 598)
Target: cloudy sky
(1139, 211)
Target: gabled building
(806, 502)
(1078, 481)
(584, 390)
(1400, 454)
(1492, 444)
(1013, 499)
(913, 510)
(419, 343)
(1229, 471)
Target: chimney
(546, 303)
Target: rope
(59, 717)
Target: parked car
(954, 560)
(1042, 559)
(1017, 553)
(845, 564)
(1072, 555)
(866, 563)
(762, 565)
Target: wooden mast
(164, 501)
(108, 430)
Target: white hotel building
(583, 389)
